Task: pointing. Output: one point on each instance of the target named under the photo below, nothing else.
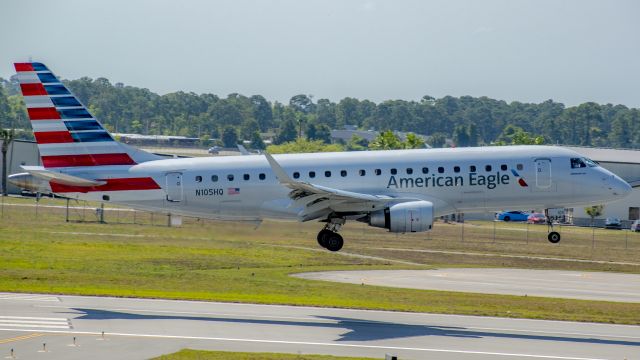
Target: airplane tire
(554, 237)
(334, 242)
(322, 237)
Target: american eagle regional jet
(399, 190)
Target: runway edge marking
(316, 344)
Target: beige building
(21, 152)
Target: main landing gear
(554, 236)
(329, 238)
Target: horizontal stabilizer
(60, 178)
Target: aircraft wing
(318, 201)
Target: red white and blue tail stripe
(66, 133)
(71, 140)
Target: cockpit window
(577, 163)
(590, 162)
(582, 163)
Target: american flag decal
(233, 191)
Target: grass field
(225, 261)
(224, 355)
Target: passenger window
(214, 178)
(519, 166)
(362, 172)
(296, 175)
(425, 170)
(312, 174)
(456, 169)
(378, 172)
(327, 173)
(198, 178)
(246, 177)
(262, 176)
(503, 167)
(409, 171)
(472, 168)
(230, 177)
(590, 162)
(343, 173)
(440, 169)
(394, 171)
(487, 168)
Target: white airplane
(400, 190)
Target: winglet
(281, 175)
(243, 150)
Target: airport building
(625, 163)
(21, 152)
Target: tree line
(453, 121)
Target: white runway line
(28, 297)
(285, 342)
(34, 323)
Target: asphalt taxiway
(584, 285)
(144, 328)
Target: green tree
(357, 143)
(386, 140)
(230, 137)
(262, 112)
(287, 132)
(248, 128)
(319, 132)
(460, 136)
(594, 211)
(257, 142)
(514, 135)
(414, 142)
(437, 140)
(303, 146)
(302, 103)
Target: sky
(571, 51)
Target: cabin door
(543, 174)
(174, 186)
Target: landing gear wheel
(322, 237)
(333, 241)
(554, 237)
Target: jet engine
(411, 216)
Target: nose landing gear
(554, 236)
(329, 238)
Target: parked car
(635, 226)
(513, 216)
(214, 150)
(537, 218)
(612, 223)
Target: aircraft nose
(619, 186)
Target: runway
(141, 328)
(584, 285)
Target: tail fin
(67, 134)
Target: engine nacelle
(411, 216)
(28, 182)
